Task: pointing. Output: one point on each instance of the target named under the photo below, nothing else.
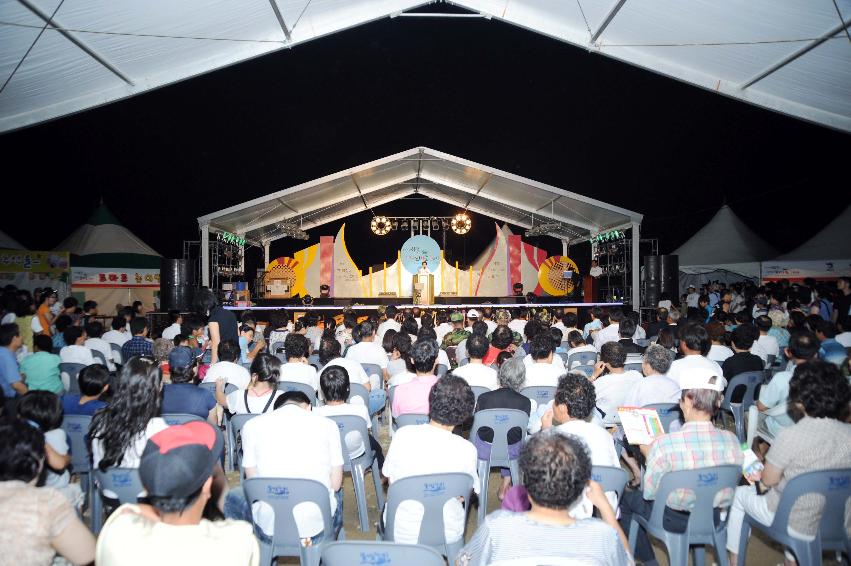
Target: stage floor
(292, 305)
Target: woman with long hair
(260, 395)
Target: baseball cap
(456, 317)
(691, 287)
(503, 315)
(702, 378)
(180, 357)
(178, 460)
(472, 313)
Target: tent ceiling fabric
(724, 240)
(791, 56)
(431, 173)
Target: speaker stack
(177, 285)
(661, 275)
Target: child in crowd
(94, 383)
(246, 336)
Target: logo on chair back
(839, 483)
(433, 489)
(596, 477)
(500, 419)
(74, 427)
(542, 394)
(375, 558)
(422, 420)
(341, 426)
(704, 480)
(278, 491)
(752, 378)
(121, 479)
(663, 412)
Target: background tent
(26, 269)
(824, 256)
(7, 243)
(110, 265)
(725, 249)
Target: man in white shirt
(596, 270)
(486, 316)
(228, 367)
(174, 328)
(718, 352)
(94, 330)
(118, 335)
(611, 333)
(291, 442)
(566, 322)
(655, 387)
(692, 297)
(75, 352)
(367, 351)
(297, 369)
(542, 371)
(443, 327)
(473, 317)
(611, 381)
(766, 342)
(329, 355)
(694, 345)
(432, 449)
(519, 321)
(388, 323)
(475, 373)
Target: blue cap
(180, 357)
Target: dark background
(478, 89)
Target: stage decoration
(461, 223)
(380, 225)
(556, 275)
(418, 249)
(493, 280)
(280, 279)
(348, 280)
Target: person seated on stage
(367, 351)
(182, 396)
(557, 472)
(742, 359)
(75, 352)
(626, 330)
(412, 397)
(94, 383)
(458, 334)
(694, 345)
(611, 381)
(475, 373)
(502, 340)
(297, 369)
(517, 289)
(541, 370)
(595, 325)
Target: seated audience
(611, 381)
(779, 322)
(694, 345)
(95, 342)
(478, 327)
(173, 329)
(94, 383)
(367, 351)
(502, 340)
(656, 386)
(41, 369)
(227, 367)
(399, 356)
(595, 324)
(566, 323)
(75, 352)
(661, 322)
(330, 355)
(765, 340)
(475, 373)
(182, 396)
(457, 333)
(261, 392)
(431, 448)
(830, 350)
(138, 345)
(413, 397)
(542, 370)
(10, 379)
(626, 330)
(37, 523)
(118, 334)
(742, 360)
(296, 349)
(719, 351)
(62, 323)
(557, 473)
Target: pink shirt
(412, 397)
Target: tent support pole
(205, 254)
(266, 253)
(607, 20)
(636, 244)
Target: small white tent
(825, 255)
(725, 250)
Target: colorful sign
(114, 277)
(556, 275)
(24, 261)
(231, 238)
(418, 249)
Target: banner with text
(114, 277)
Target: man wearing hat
(472, 317)
(182, 396)
(503, 318)
(698, 444)
(176, 470)
(458, 333)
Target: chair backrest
(441, 370)
(279, 345)
(611, 478)
(283, 494)
(563, 356)
(117, 355)
(77, 427)
(98, 355)
(352, 424)
(72, 370)
(704, 483)
(771, 359)
(432, 491)
(668, 413)
(123, 482)
(373, 369)
(410, 419)
(358, 390)
(379, 553)
(587, 370)
(835, 486)
(635, 366)
(478, 390)
(236, 424)
(584, 358)
(748, 380)
(542, 394)
(298, 386)
(211, 387)
(500, 421)
(180, 418)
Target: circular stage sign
(418, 249)
(556, 275)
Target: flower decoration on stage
(380, 225)
(461, 223)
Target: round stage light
(461, 223)
(380, 225)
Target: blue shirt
(59, 341)
(137, 346)
(832, 351)
(8, 372)
(187, 398)
(243, 350)
(593, 325)
(71, 405)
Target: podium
(423, 286)
(591, 287)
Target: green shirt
(42, 372)
(455, 337)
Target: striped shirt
(696, 445)
(514, 536)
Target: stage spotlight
(380, 225)
(395, 224)
(403, 225)
(461, 223)
(435, 225)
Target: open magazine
(640, 425)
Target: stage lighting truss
(461, 223)
(292, 230)
(545, 229)
(380, 225)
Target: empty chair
(117, 356)
(378, 553)
(500, 421)
(70, 371)
(704, 483)
(77, 427)
(610, 478)
(180, 418)
(234, 426)
(541, 394)
(835, 486)
(441, 370)
(298, 386)
(668, 413)
(124, 485)
(410, 419)
(101, 359)
(478, 390)
(283, 494)
(357, 465)
(432, 491)
(583, 358)
(749, 381)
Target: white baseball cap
(702, 378)
(472, 313)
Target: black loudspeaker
(652, 280)
(176, 285)
(669, 274)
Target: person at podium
(423, 270)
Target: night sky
(481, 90)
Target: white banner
(830, 269)
(114, 277)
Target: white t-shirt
(478, 375)
(844, 339)
(354, 442)
(256, 403)
(666, 304)
(608, 334)
(612, 389)
(518, 325)
(639, 334)
(443, 359)
(300, 373)
(134, 452)
(442, 330)
(104, 348)
(681, 366)
(557, 362)
(542, 373)
(172, 331)
(402, 378)
(367, 353)
(76, 355)
(595, 271)
(653, 389)
(759, 350)
(718, 353)
(384, 327)
(769, 344)
(692, 300)
(293, 443)
(233, 373)
(116, 337)
(356, 371)
(601, 448)
(426, 449)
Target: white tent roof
(8, 243)
(791, 56)
(725, 240)
(443, 177)
(104, 234)
(833, 242)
